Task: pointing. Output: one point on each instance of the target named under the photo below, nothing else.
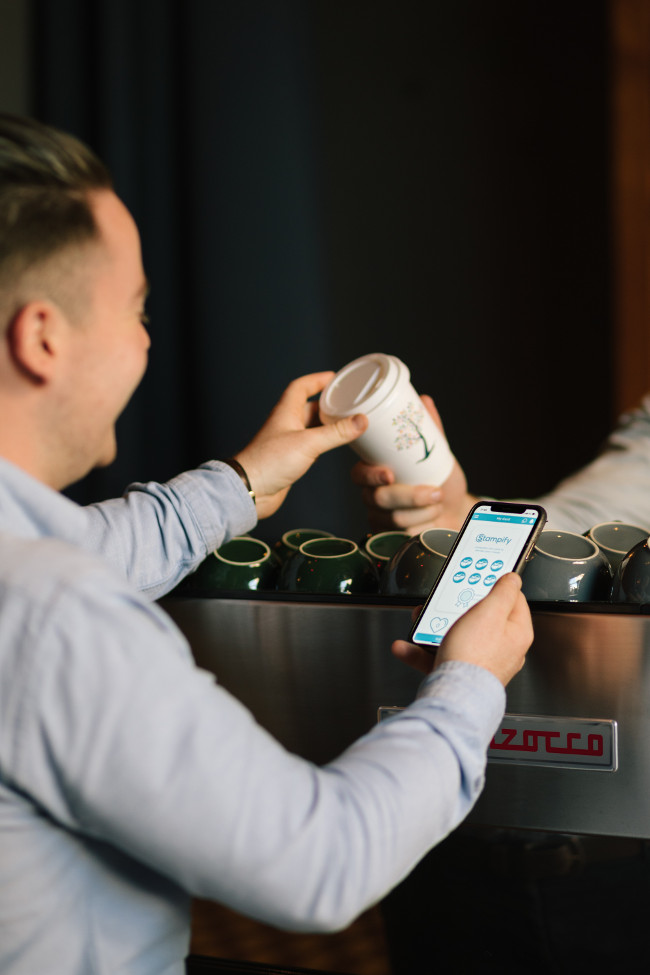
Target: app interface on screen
(489, 548)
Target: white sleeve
(614, 487)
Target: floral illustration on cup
(409, 432)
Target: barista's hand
(413, 507)
(495, 633)
(291, 440)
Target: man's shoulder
(45, 565)
(54, 591)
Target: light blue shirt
(131, 781)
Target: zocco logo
(560, 742)
(527, 739)
(494, 539)
(531, 738)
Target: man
(129, 780)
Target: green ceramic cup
(329, 565)
(291, 540)
(241, 563)
(416, 565)
(382, 546)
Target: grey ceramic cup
(329, 565)
(568, 567)
(416, 565)
(615, 539)
(632, 576)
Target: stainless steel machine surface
(572, 754)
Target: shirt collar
(31, 509)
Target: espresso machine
(572, 753)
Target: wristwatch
(238, 469)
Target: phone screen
(491, 543)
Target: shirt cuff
(467, 685)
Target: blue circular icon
(466, 562)
(496, 565)
(481, 563)
(489, 580)
(459, 576)
(474, 578)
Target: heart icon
(438, 623)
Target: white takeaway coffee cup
(401, 434)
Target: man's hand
(291, 440)
(495, 633)
(413, 507)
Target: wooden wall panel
(630, 108)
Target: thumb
(505, 591)
(504, 596)
(331, 435)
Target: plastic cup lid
(362, 385)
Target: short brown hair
(45, 179)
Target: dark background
(318, 179)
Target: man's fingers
(297, 400)
(393, 497)
(297, 407)
(310, 414)
(306, 386)
(520, 611)
(504, 595)
(371, 475)
(415, 657)
(509, 583)
(331, 435)
(495, 633)
(414, 520)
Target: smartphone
(497, 537)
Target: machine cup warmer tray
(572, 753)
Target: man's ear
(35, 336)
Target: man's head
(72, 289)
(45, 214)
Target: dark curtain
(315, 180)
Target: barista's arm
(614, 486)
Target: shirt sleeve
(615, 486)
(157, 533)
(120, 737)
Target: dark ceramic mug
(291, 540)
(329, 565)
(382, 546)
(632, 576)
(416, 565)
(615, 539)
(568, 567)
(241, 563)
